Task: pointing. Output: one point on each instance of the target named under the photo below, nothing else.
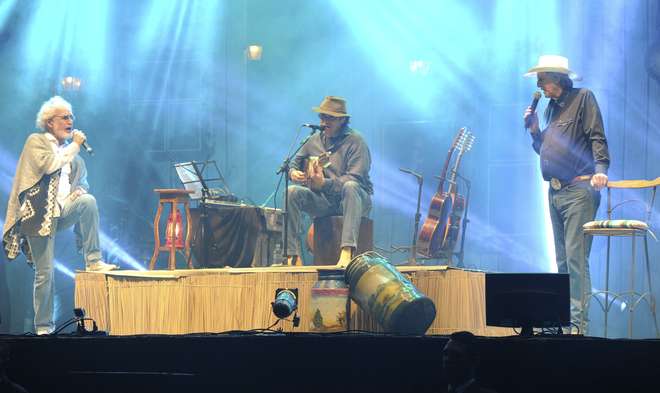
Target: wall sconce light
(254, 52)
(71, 83)
(420, 67)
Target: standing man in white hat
(340, 187)
(574, 159)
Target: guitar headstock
(466, 140)
(455, 144)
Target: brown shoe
(100, 266)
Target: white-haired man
(574, 159)
(49, 194)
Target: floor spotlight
(79, 319)
(285, 303)
(79, 316)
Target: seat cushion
(602, 224)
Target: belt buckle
(555, 184)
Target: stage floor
(231, 299)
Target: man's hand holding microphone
(80, 138)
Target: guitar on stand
(439, 232)
(453, 222)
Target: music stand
(196, 176)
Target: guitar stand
(465, 220)
(461, 253)
(420, 182)
(407, 249)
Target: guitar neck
(443, 174)
(454, 172)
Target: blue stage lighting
(286, 302)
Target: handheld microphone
(86, 146)
(535, 101)
(314, 127)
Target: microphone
(535, 101)
(86, 146)
(314, 127)
(410, 172)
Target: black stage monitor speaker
(527, 300)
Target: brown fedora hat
(333, 106)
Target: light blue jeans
(82, 210)
(570, 208)
(354, 204)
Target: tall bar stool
(174, 197)
(625, 228)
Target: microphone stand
(284, 171)
(418, 216)
(203, 216)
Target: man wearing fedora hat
(341, 186)
(574, 159)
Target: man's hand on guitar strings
(298, 176)
(316, 179)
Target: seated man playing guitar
(336, 183)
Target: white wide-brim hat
(552, 63)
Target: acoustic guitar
(435, 229)
(309, 164)
(322, 161)
(452, 222)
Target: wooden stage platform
(231, 299)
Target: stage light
(79, 319)
(79, 313)
(254, 52)
(285, 303)
(71, 83)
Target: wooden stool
(173, 197)
(327, 238)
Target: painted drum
(329, 303)
(388, 296)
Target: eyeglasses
(67, 117)
(542, 81)
(328, 118)
(545, 78)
